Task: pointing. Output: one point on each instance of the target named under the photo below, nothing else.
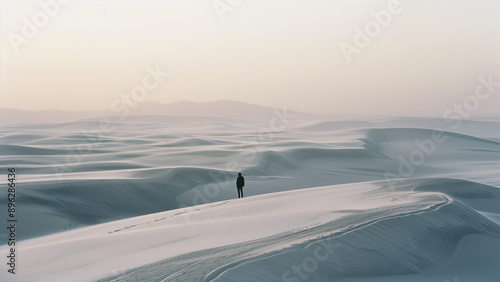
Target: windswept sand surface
(374, 200)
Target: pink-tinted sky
(410, 58)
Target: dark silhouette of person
(240, 182)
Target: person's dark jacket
(240, 182)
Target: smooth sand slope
(319, 207)
(424, 229)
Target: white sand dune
(153, 200)
(346, 231)
(76, 176)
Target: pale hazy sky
(269, 52)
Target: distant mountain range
(219, 109)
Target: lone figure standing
(240, 182)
